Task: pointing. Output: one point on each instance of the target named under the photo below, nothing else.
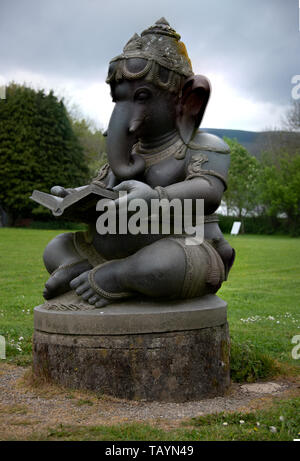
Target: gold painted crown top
(159, 43)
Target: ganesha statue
(155, 150)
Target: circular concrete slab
(69, 314)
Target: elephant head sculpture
(155, 94)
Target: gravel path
(25, 410)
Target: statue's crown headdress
(158, 45)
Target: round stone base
(171, 351)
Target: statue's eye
(142, 95)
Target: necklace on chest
(173, 148)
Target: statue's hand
(135, 190)
(60, 191)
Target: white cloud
(96, 103)
(227, 108)
(91, 100)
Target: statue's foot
(59, 282)
(89, 285)
(82, 287)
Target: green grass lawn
(263, 295)
(22, 276)
(263, 291)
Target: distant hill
(257, 142)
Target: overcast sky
(249, 49)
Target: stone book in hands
(78, 205)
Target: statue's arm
(206, 177)
(210, 189)
(206, 183)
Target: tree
(280, 177)
(92, 142)
(281, 188)
(242, 193)
(292, 117)
(38, 148)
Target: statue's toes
(85, 286)
(102, 302)
(46, 293)
(93, 299)
(75, 283)
(48, 285)
(87, 294)
(79, 280)
(50, 288)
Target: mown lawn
(22, 276)
(263, 291)
(263, 295)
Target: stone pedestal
(138, 349)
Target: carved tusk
(135, 124)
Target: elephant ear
(192, 105)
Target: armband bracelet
(162, 193)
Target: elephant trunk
(121, 136)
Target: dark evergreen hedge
(257, 225)
(38, 149)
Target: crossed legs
(157, 270)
